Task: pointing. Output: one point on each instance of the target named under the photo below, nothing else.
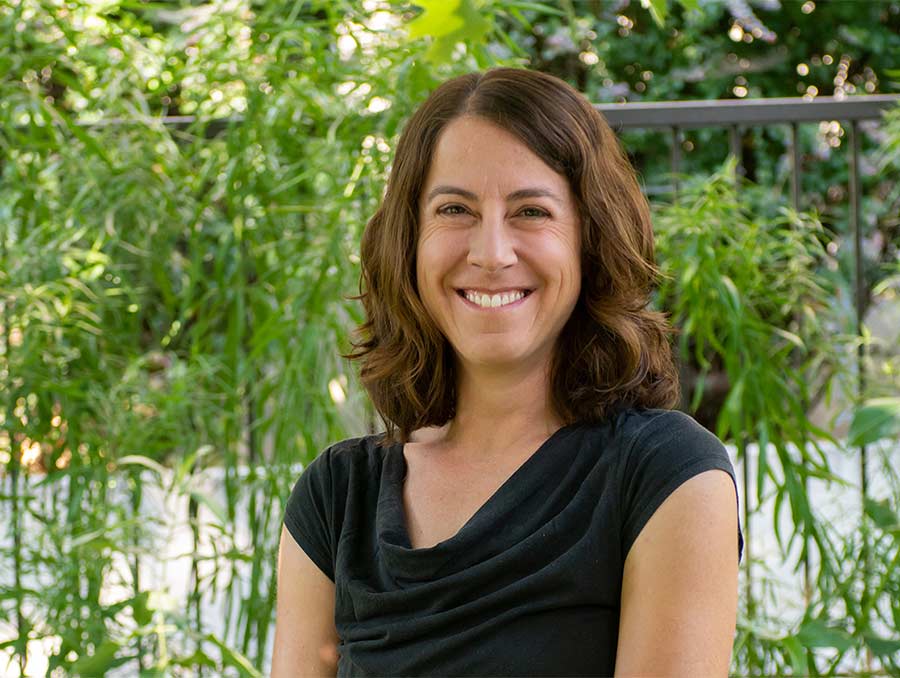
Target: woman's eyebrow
(515, 195)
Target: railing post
(859, 303)
(795, 166)
(675, 157)
(795, 203)
(734, 142)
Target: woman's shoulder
(372, 443)
(649, 422)
(668, 440)
(340, 456)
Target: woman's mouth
(497, 300)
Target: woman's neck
(499, 409)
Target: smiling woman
(534, 506)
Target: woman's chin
(495, 354)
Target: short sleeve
(668, 450)
(308, 515)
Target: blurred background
(183, 186)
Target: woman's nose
(491, 244)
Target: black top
(530, 585)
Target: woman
(534, 507)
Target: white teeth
(488, 301)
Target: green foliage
(659, 9)
(745, 291)
(174, 296)
(448, 23)
(745, 279)
(878, 418)
(746, 283)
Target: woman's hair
(612, 353)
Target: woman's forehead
(482, 158)
(481, 140)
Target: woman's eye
(447, 210)
(534, 212)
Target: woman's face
(498, 257)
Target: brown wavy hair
(613, 352)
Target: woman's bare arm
(305, 637)
(680, 585)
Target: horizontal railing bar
(683, 114)
(714, 113)
(170, 120)
(211, 126)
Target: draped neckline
(490, 527)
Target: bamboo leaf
(882, 514)
(98, 663)
(878, 418)
(817, 633)
(796, 654)
(659, 9)
(882, 646)
(790, 336)
(211, 504)
(143, 615)
(233, 658)
(140, 460)
(541, 7)
(762, 459)
(198, 658)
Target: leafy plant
(749, 288)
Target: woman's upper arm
(680, 584)
(305, 636)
